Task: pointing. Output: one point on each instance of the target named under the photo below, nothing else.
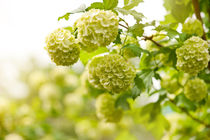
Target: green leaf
(179, 10)
(147, 61)
(168, 28)
(136, 50)
(85, 56)
(110, 4)
(80, 9)
(118, 39)
(96, 5)
(137, 30)
(146, 76)
(205, 76)
(122, 102)
(137, 15)
(182, 101)
(135, 92)
(126, 2)
(131, 4)
(66, 16)
(138, 87)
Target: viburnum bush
(124, 64)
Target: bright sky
(24, 25)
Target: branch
(190, 115)
(123, 26)
(151, 39)
(198, 15)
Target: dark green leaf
(205, 76)
(96, 5)
(122, 102)
(131, 4)
(135, 92)
(110, 4)
(138, 87)
(182, 101)
(118, 39)
(146, 76)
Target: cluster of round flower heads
(193, 56)
(195, 89)
(111, 72)
(193, 26)
(62, 47)
(97, 28)
(106, 110)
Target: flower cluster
(193, 56)
(97, 28)
(111, 72)
(195, 90)
(193, 26)
(106, 110)
(62, 47)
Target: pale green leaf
(131, 4)
(110, 4)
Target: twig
(190, 115)
(123, 25)
(151, 39)
(198, 15)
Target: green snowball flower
(193, 56)
(193, 26)
(195, 90)
(106, 110)
(97, 28)
(62, 47)
(111, 72)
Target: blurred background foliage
(60, 105)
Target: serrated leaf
(131, 4)
(80, 9)
(96, 5)
(138, 87)
(85, 56)
(168, 28)
(137, 30)
(136, 50)
(122, 102)
(146, 76)
(137, 15)
(110, 4)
